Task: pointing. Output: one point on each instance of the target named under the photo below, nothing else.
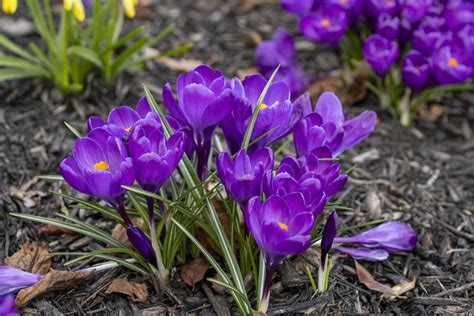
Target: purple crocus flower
(7, 305)
(451, 64)
(276, 118)
(204, 99)
(380, 53)
(99, 166)
(389, 237)
(154, 158)
(329, 126)
(243, 177)
(13, 279)
(280, 50)
(388, 26)
(416, 70)
(414, 11)
(281, 226)
(376, 7)
(299, 7)
(352, 8)
(291, 177)
(465, 39)
(121, 119)
(428, 37)
(326, 25)
(458, 14)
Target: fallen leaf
(182, 64)
(31, 257)
(120, 232)
(388, 292)
(246, 5)
(402, 288)
(242, 73)
(368, 280)
(51, 230)
(28, 197)
(433, 112)
(135, 291)
(53, 281)
(201, 234)
(334, 82)
(194, 272)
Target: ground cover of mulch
(422, 175)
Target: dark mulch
(422, 175)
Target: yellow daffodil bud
(9, 6)
(77, 8)
(129, 7)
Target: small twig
(455, 290)
(452, 229)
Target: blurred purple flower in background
(414, 11)
(299, 7)
(388, 26)
(242, 177)
(329, 126)
(452, 64)
(416, 70)
(280, 50)
(428, 37)
(327, 25)
(380, 53)
(204, 99)
(374, 8)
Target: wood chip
(51, 230)
(194, 272)
(32, 257)
(182, 64)
(135, 291)
(53, 281)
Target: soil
(422, 175)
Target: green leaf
(21, 64)
(73, 130)
(15, 73)
(87, 54)
(15, 49)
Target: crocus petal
(195, 100)
(13, 279)
(364, 253)
(95, 122)
(329, 107)
(87, 152)
(219, 109)
(7, 305)
(123, 116)
(142, 243)
(73, 175)
(356, 130)
(143, 107)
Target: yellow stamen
(453, 62)
(128, 129)
(9, 6)
(283, 226)
(101, 165)
(263, 106)
(325, 23)
(129, 7)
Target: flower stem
(263, 306)
(162, 273)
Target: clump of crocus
(280, 51)
(7, 305)
(276, 118)
(329, 126)
(242, 177)
(281, 227)
(380, 53)
(204, 99)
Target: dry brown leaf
(201, 234)
(242, 73)
(402, 288)
(53, 281)
(135, 291)
(31, 257)
(51, 230)
(433, 112)
(182, 64)
(194, 272)
(368, 280)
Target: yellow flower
(9, 6)
(77, 9)
(129, 7)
